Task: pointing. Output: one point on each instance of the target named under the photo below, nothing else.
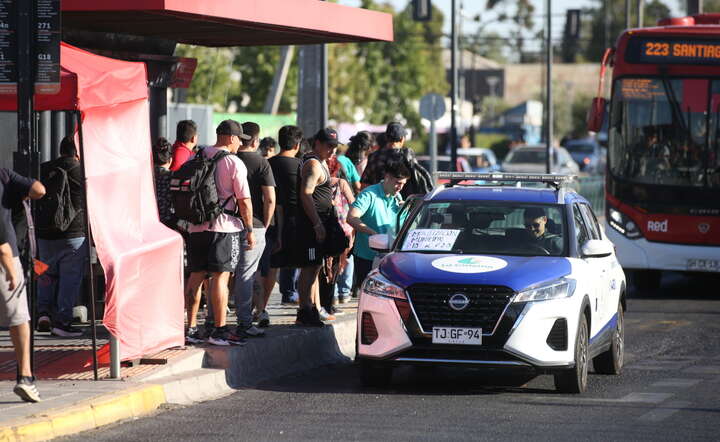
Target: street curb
(101, 411)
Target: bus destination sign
(663, 50)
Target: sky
(475, 7)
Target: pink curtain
(142, 259)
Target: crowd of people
(296, 211)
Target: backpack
(193, 190)
(55, 211)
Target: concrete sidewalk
(190, 375)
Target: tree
(213, 79)
(520, 14)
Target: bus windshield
(666, 131)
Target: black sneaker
(65, 331)
(43, 323)
(220, 336)
(27, 390)
(309, 318)
(263, 319)
(193, 336)
(249, 332)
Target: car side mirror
(380, 242)
(597, 248)
(596, 114)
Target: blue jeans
(59, 287)
(345, 279)
(244, 278)
(287, 280)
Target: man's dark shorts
(213, 251)
(309, 251)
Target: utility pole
(607, 4)
(548, 86)
(627, 14)
(641, 13)
(694, 7)
(272, 102)
(453, 98)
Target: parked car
(588, 153)
(469, 283)
(531, 159)
(472, 159)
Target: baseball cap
(327, 135)
(395, 131)
(231, 127)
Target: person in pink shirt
(214, 246)
(185, 141)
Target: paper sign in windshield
(431, 239)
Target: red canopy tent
(142, 258)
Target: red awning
(230, 22)
(88, 80)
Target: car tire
(574, 380)
(611, 361)
(375, 374)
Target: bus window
(659, 131)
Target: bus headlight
(622, 223)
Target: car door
(592, 273)
(608, 285)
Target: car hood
(516, 272)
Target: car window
(481, 227)
(526, 156)
(591, 221)
(581, 231)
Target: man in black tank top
(315, 208)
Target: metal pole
(312, 88)
(278, 85)
(641, 13)
(606, 23)
(694, 7)
(433, 147)
(548, 86)
(628, 11)
(114, 358)
(453, 98)
(88, 241)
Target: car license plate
(703, 265)
(457, 335)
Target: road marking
(676, 383)
(703, 369)
(647, 398)
(664, 412)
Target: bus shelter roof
(220, 23)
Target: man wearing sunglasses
(536, 222)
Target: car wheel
(574, 380)
(375, 374)
(611, 361)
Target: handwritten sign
(431, 239)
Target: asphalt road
(669, 390)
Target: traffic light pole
(548, 87)
(454, 94)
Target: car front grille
(432, 306)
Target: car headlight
(622, 223)
(560, 288)
(377, 285)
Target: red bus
(663, 170)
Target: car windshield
(666, 131)
(580, 147)
(481, 227)
(526, 156)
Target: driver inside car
(536, 222)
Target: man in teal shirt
(350, 171)
(375, 211)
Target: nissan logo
(458, 302)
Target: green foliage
(487, 140)
(213, 79)
(519, 15)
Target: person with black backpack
(62, 241)
(211, 192)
